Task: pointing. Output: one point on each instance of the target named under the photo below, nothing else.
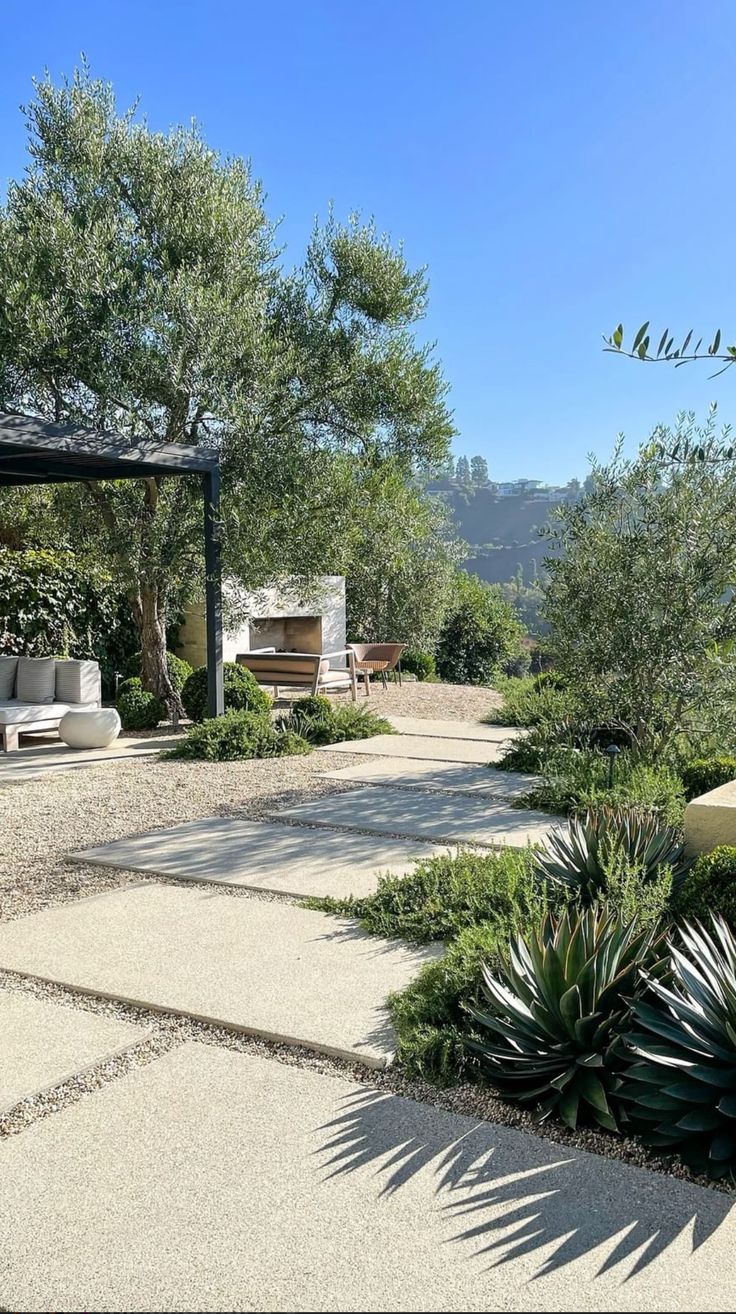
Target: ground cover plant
(237, 736)
(443, 895)
(320, 721)
(434, 1030)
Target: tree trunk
(150, 617)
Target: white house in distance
(287, 617)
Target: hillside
(503, 531)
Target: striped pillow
(36, 681)
(8, 667)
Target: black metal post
(213, 592)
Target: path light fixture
(612, 753)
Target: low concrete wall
(711, 819)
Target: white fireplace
(284, 617)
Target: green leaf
(640, 336)
(618, 335)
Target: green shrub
(532, 700)
(710, 887)
(578, 858)
(319, 721)
(138, 709)
(558, 1009)
(237, 736)
(480, 632)
(434, 1030)
(443, 895)
(681, 1083)
(574, 780)
(179, 670)
(242, 692)
(706, 773)
(417, 662)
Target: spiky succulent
(681, 1086)
(577, 857)
(558, 1010)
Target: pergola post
(213, 592)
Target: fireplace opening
(287, 633)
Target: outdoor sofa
(36, 692)
(301, 670)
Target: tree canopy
(142, 290)
(640, 593)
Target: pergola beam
(33, 452)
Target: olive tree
(141, 291)
(400, 562)
(640, 589)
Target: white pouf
(90, 727)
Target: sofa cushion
(77, 681)
(8, 668)
(36, 680)
(13, 712)
(335, 678)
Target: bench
(301, 670)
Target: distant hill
(503, 530)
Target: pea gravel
(44, 820)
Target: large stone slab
(448, 729)
(423, 746)
(263, 856)
(218, 1181)
(710, 820)
(43, 1043)
(411, 773)
(426, 816)
(269, 968)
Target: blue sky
(558, 166)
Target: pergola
(33, 452)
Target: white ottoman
(90, 727)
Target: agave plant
(682, 1087)
(559, 1010)
(577, 858)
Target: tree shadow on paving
(514, 1193)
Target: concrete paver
(266, 967)
(263, 856)
(442, 728)
(455, 777)
(426, 816)
(32, 762)
(433, 749)
(219, 1181)
(42, 1043)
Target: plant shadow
(514, 1194)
